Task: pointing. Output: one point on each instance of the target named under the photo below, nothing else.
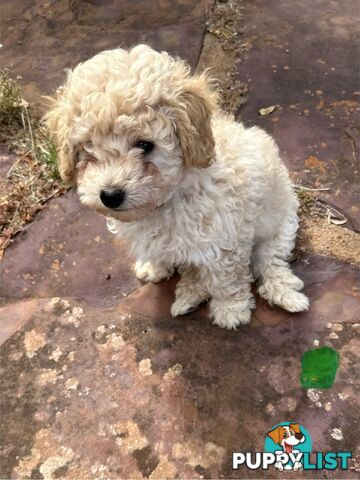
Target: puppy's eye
(285, 434)
(145, 146)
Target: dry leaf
(337, 221)
(266, 111)
(24, 103)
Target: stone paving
(301, 60)
(41, 38)
(98, 381)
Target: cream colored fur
(213, 199)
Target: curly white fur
(212, 199)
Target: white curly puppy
(147, 146)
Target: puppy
(287, 437)
(148, 147)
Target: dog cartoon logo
(288, 446)
(289, 440)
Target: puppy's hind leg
(188, 293)
(277, 284)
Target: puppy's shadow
(154, 301)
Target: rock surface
(41, 39)
(126, 391)
(301, 60)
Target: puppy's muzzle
(112, 198)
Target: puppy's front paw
(231, 313)
(180, 307)
(147, 272)
(187, 299)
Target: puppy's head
(287, 436)
(127, 124)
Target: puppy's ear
(295, 427)
(191, 112)
(56, 121)
(275, 434)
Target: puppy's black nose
(112, 198)
(299, 436)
